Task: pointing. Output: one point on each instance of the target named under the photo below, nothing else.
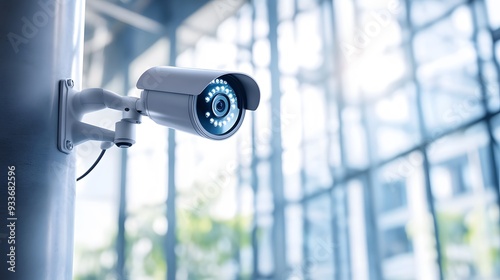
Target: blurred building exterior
(373, 155)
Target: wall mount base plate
(65, 142)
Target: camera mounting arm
(73, 105)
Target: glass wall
(373, 154)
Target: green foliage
(90, 264)
(152, 263)
(207, 247)
(466, 241)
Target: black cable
(93, 165)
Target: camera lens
(219, 106)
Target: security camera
(209, 103)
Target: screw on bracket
(69, 145)
(70, 83)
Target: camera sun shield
(193, 81)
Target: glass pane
(423, 11)
(316, 162)
(395, 242)
(309, 39)
(404, 223)
(286, 9)
(466, 205)
(294, 241)
(490, 77)
(451, 94)
(293, 187)
(357, 230)
(341, 233)
(146, 228)
(394, 123)
(313, 112)
(492, 7)
(319, 245)
(265, 244)
(496, 129)
(264, 194)
(448, 36)
(354, 138)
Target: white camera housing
(209, 103)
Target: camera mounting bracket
(73, 105)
